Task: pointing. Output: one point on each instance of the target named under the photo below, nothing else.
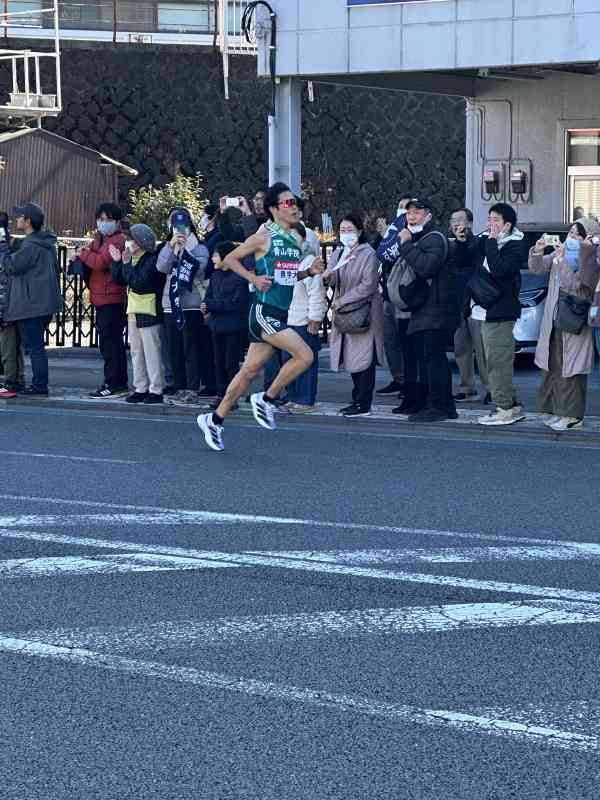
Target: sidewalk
(75, 372)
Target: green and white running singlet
(268, 315)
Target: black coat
(431, 259)
(228, 300)
(505, 266)
(142, 278)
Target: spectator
(353, 273)
(33, 290)
(306, 314)
(566, 358)
(499, 258)
(226, 305)
(259, 207)
(108, 299)
(312, 242)
(394, 329)
(135, 268)
(11, 359)
(467, 339)
(184, 259)
(432, 324)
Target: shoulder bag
(405, 288)
(571, 313)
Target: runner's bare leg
(258, 355)
(301, 360)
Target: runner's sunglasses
(291, 202)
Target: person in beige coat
(353, 273)
(566, 358)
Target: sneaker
(136, 397)
(500, 417)
(567, 424)
(32, 391)
(346, 409)
(517, 412)
(357, 411)
(264, 413)
(549, 422)
(105, 392)
(300, 408)
(185, 397)
(466, 397)
(431, 415)
(392, 388)
(5, 392)
(152, 399)
(213, 434)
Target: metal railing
(75, 326)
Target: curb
(466, 424)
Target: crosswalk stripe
(392, 712)
(409, 620)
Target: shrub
(152, 205)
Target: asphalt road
(331, 610)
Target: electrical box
(520, 181)
(493, 180)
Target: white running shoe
(264, 413)
(567, 424)
(213, 434)
(549, 422)
(501, 417)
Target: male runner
(278, 255)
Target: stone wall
(160, 109)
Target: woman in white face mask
(108, 299)
(353, 274)
(566, 358)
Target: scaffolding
(28, 97)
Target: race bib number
(286, 273)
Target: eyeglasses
(291, 202)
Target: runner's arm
(257, 245)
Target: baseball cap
(30, 211)
(181, 217)
(420, 201)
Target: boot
(409, 400)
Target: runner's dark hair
(273, 194)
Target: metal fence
(75, 325)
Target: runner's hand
(262, 283)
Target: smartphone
(552, 239)
(232, 202)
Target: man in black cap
(34, 293)
(435, 316)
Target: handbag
(405, 288)
(571, 313)
(353, 317)
(594, 312)
(484, 289)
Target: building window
(184, 17)
(583, 173)
(16, 6)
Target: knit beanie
(144, 237)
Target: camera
(232, 202)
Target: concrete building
(529, 70)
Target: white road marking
(192, 517)
(306, 565)
(105, 565)
(21, 454)
(341, 623)
(447, 555)
(391, 712)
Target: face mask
(348, 239)
(415, 228)
(106, 227)
(573, 244)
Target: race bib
(286, 273)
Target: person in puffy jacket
(135, 268)
(108, 299)
(33, 291)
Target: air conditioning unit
(140, 38)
